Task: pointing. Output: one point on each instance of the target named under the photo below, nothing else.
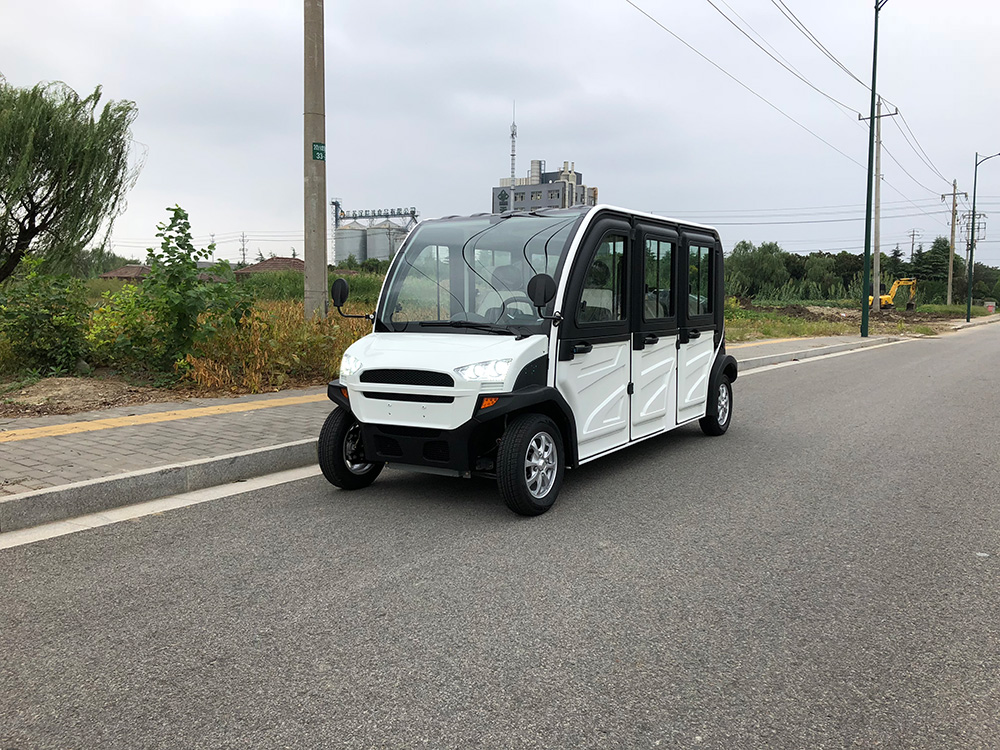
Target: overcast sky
(419, 98)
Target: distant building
(131, 272)
(273, 264)
(541, 189)
(136, 273)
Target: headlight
(349, 365)
(494, 369)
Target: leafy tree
(819, 271)
(846, 266)
(894, 265)
(756, 269)
(795, 264)
(64, 171)
(932, 265)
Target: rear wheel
(530, 464)
(718, 423)
(341, 453)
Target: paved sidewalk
(53, 468)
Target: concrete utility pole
(954, 220)
(876, 253)
(866, 266)
(877, 208)
(314, 172)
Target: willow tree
(64, 170)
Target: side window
(699, 280)
(602, 299)
(658, 299)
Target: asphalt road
(823, 576)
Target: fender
(725, 364)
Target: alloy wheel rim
(353, 456)
(541, 461)
(723, 404)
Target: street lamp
(972, 234)
(865, 276)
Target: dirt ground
(105, 391)
(71, 395)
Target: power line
(745, 86)
(793, 19)
(791, 70)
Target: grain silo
(352, 239)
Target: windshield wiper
(467, 324)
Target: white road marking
(821, 357)
(153, 507)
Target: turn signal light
(344, 391)
(488, 402)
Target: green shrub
(275, 286)
(43, 320)
(123, 332)
(153, 326)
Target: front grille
(408, 377)
(417, 397)
(437, 450)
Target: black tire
(718, 423)
(530, 464)
(340, 453)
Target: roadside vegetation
(190, 326)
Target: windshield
(470, 275)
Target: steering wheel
(519, 298)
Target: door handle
(582, 348)
(651, 338)
(694, 333)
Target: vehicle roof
(583, 210)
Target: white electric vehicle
(518, 345)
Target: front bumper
(455, 449)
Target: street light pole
(866, 273)
(972, 234)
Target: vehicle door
(654, 340)
(594, 357)
(696, 316)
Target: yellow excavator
(885, 301)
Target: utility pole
(876, 250)
(866, 268)
(972, 234)
(314, 172)
(243, 247)
(954, 220)
(914, 235)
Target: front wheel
(341, 453)
(530, 464)
(719, 423)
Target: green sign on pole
(319, 152)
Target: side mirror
(541, 289)
(339, 292)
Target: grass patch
(955, 311)
(773, 326)
(97, 288)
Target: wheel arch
(724, 365)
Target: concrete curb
(70, 500)
(752, 363)
(981, 321)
